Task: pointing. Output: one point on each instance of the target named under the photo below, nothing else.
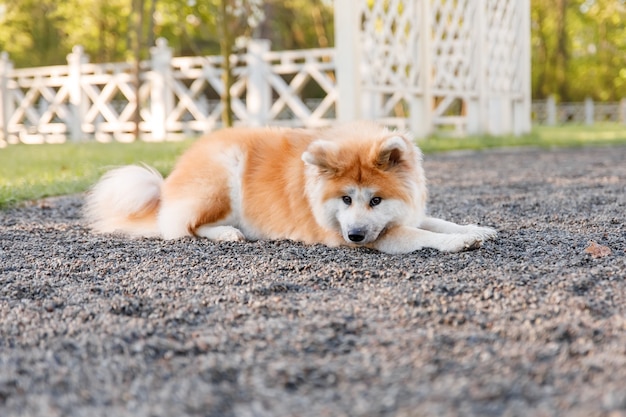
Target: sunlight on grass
(34, 171)
(30, 172)
(602, 132)
(541, 136)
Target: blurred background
(155, 70)
(578, 46)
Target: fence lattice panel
(442, 55)
(177, 96)
(36, 101)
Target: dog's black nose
(356, 235)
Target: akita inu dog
(357, 185)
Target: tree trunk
(562, 55)
(151, 41)
(226, 47)
(318, 21)
(137, 43)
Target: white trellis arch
(434, 63)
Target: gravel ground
(530, 324)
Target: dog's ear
(392, 152)
(323, 155)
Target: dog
(358, 185)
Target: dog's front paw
(458, 242)
(480, 232)
(473, 238)
(476, 235)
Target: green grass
(29, 172)
(541, 136)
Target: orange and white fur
(357, 185)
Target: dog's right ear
(323, 155)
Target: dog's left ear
(392, 152)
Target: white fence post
(622, 111)
(477, 105)
(5, 102)
(259, 92)
(75, 60)
(421, 107)
(589, 111)
(347, 56)
(522, 108)
(161, 97)
(550, 111)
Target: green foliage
(297, 24)
(579, 49)
(101, 27)
(29, 31)
(43, 32)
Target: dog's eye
(347, 200)
(375, 201)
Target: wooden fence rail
(176, 96)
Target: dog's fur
(357, 185)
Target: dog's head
(363, 180)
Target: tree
(226, 45)
(137, 35)
(43, 32)
(29, 32)
(237, 19)
(298, 24)
(579, 49)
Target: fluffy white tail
(125, 200)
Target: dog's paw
(480, 232)
(457, 242)
(468, 241)
(230, 235)
(472, 244)
(477, 235)
(220, 233)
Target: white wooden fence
(419, 64)
(462, 64)
(178, 96)
(551, 113)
